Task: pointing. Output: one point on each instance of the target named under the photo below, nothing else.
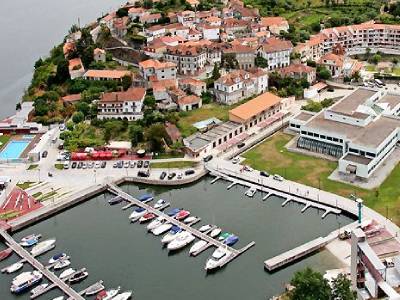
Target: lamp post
(359, 205)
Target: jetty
(57, 282)
(187, 227)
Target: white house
(276, 52)
(210, 32)
(153, 69)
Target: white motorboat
(183, 239)
(14, 267)
(162, 229)
(218, 258)
(110, 294)
(39, 288)
(43, 247)
(94, 289)
(155, 223)
(189, 219)
(137, 213)
(251, 192)
(123, 296)
(31, 237)
(171, 235)
(205, 228)
(25, 281)
(57, 258)
(160, 203)
(197, 246)
(59, 298)
(62, 264)
(66, 273)
(215, 232)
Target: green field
(273, 157)
(3, 140)
(173, 164)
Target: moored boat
(77, 277)
(137, 213)
(109, 294)
(29, 243)
(14, 267)
(115, 200)
(159, 203)
(161, 229)
(40, 288)
(43, 247)
(5, 253)
(183, 239)
(205, 228)
(63, 263)
(147, 217)
(182, 214)
(224, 236)
(215, 232)
(197, 246)
(57, 257)
(30, 237)
(189, 219)
(218, 258)
(66, 273)
(145, 197)
(59, 298)
(155, 223)
(173, 211)
(123, 296)
(25, 281)
(94, 289)
(231, 240)
(171, 235)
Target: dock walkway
(38, 266)
(117, 191)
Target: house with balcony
(190, 60)
(276, 52)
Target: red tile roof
(132, 94)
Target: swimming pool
(13, 149)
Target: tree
(215, 73)
(126, 82)
(149, 102)
(323, 73)
(122, 12)
(135, 134)
(261, 61)
(62, 74)
(155, 135)
(341, 288)
(376, 58)
(78, 117)
(309, 285)
(83, 107)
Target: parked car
(97, 165)
(171, 175)
(189, 172)
(103, 164)
(179, 176)
(120, 164)
(115, 165)
(241, 145)
(126, 164)
(84, 165)
(44, 154)
(265, 174)
(163, 174)
(248, 168)
(278, 177)
(73, 166)
(66, 165)
(90, 165)
(143, 173)
(80, 165)
(207, 158)
(140, 163)
(146, 164)
(235, 160)
(133, 164)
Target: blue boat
(115, 200)
(29, 243)
(231, 240)
(145, 197)
(173, 211)
(175, 229)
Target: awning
(351, 168)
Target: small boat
(43, 247)
(251, 192)
(5, 253)
(30, 237)
(137, 213)
(77, 277)
(190, 219)
(161, 229)
(215, 232)
(205, 228)
(25, 281)
(147, 217)
(173, 211)
(145, 198)
(40, 288)
(57, 258)
(171, 235)
(29, 243)
(115, 200)
(231, 240)
(183, 239)
(182, 214)
(123, 296)
(59, 298)
(14, 267)
(109, 294)
(224, 236)
(63, 263)
(94, 289)
(218, 258)
(155, 223)
(159, 203)
(66, 273)
(197, 246)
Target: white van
(66, 165)
(277, 177)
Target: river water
(100, 238)
(29, 29)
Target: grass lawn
(273, 157)
(32, 167)
(169, 155)
(396, 71)
(59, 166)
(9, 215)
(173, 164)
(25, 185)
(370, 68)
(3, 140)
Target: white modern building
(276, 52)
(361, 130)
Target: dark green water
(100, 238)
